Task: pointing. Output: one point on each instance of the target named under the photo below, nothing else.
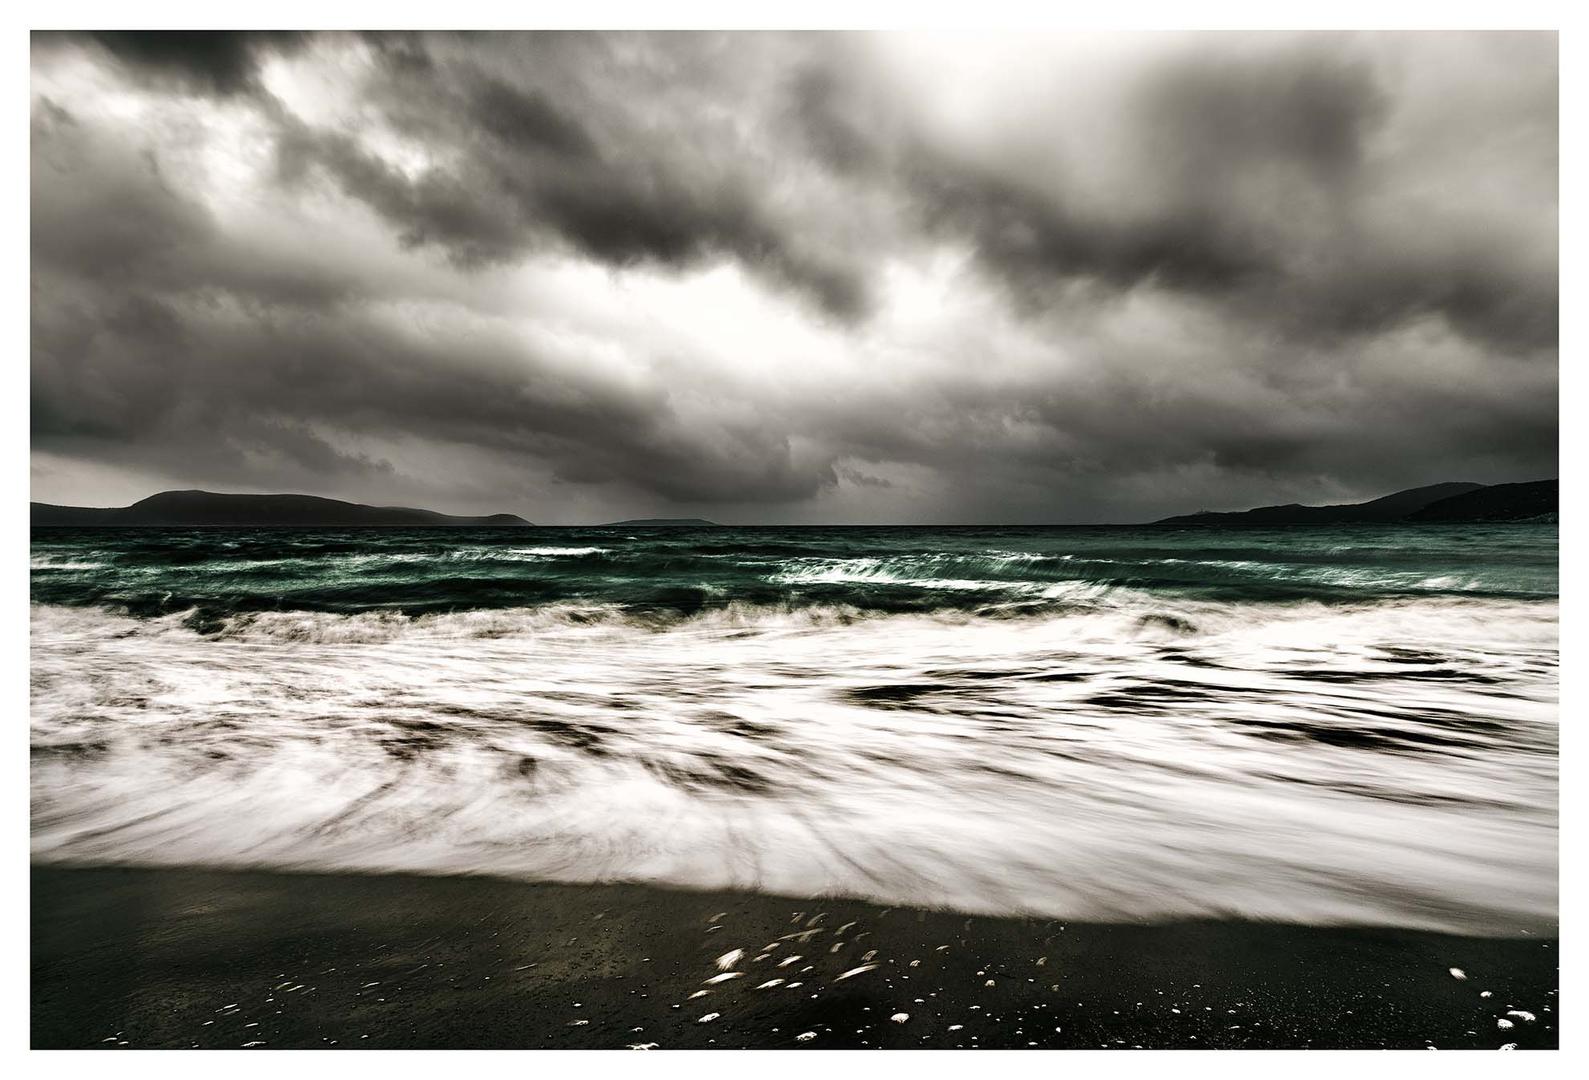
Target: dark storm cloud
(525, 173)
(524, 119)
(219, 62)
(134, 218)
(106, 209)
(266, 394)
(1025, 228)
(1242, 176)
(1216, 271)
(139, 342)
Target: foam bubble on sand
(855, 971)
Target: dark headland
(207, 508)
(1535, 501)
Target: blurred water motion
(1320, 726)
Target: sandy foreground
(126, 958)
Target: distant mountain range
(206, 508)
(1451, 502)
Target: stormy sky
(793, 278)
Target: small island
(663, 523)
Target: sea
(1323, 725)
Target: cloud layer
(793, 277)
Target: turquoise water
(996, 572)
(1350, 725)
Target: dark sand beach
(183, 958)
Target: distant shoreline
(1154, 525)
(1534, 502)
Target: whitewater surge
(967, 723)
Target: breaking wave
(1132, 757)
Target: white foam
(49, 562)
(1089, 764)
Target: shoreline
(222, 959)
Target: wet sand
(218, 959)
